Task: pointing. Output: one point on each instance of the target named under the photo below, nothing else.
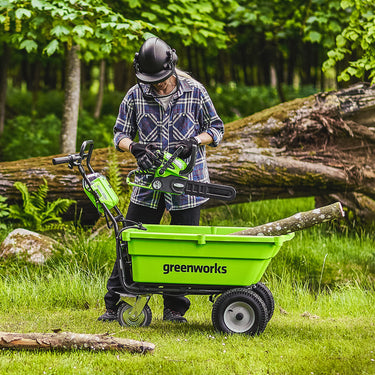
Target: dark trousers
(148, 215)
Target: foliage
(188, 21)
(30, 137)
(4, 211)
(318, 21)
(48, 26)
(234, 101)
(100, 131)
(116, 180)
(36, 213)
(324, 20)
(356, 41)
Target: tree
(77, 29)
(292, 36)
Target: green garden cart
(186, 260)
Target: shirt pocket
(147, 125)
(184, 125)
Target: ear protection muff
(136, 62)
(172, 59)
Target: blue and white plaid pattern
(190, 113)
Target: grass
(334, 339)
(322, 282)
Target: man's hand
(187, 145)
(145, 158)
(137, 149)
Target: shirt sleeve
(209, 119)
(125, 126)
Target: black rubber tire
(240, 310)
(143, 320)
(266, 295)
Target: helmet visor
(155, 77)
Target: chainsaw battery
(100, 187)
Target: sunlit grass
(322, 282)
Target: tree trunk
(99, 99)
(297, 222)
(71, 102)
(3, 84)
(322, 146)
(72, 341)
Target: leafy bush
(234, 101)
(50, 102)
(111, 102)
(19, 102)
(26, 137)
(100, 131)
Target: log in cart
(224, 263)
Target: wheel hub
(239, 317)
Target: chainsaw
(170, 175)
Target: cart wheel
(240, 311)
(124, 318)
(263, 292)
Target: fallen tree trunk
(69, 340)
(322, 146)
(299, 221)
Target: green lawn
(312, 337)
(322, 282)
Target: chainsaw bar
(204, 189)
(175, 185)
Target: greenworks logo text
(167, 268)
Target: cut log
(322, 146)
(299, 221)
(69, 341)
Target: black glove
(145, 158)
(187, 145)
(137, 149)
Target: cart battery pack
(102, 188)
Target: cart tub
(199, 255)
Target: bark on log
(69, 341)
(322, 146)
(299, 221)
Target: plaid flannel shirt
(189, 113)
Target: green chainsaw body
(170, 175)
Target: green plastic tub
(176, 254)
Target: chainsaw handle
(193, 158)
(170, 160)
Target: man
(166, 109)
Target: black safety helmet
(155, 61)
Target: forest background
(66, 65)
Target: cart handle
(76, 159)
